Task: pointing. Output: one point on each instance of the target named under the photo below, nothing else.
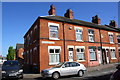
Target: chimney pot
(113, 23)
(96, 19)
(52, 10)
(69, 14)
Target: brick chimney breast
(96, 19)
(69, 14)
(52, 10)
(113, 23)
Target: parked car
(64, 69)
(12, 69)
(116, 74)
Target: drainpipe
(64, 41)
(101, 44)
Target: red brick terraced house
(53, 39)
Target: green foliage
(11, 53)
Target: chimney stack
(96, 19)
(113, 23)
(69, 14)
(52, 10)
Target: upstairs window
(118, 38)
(91, 35)
(78, 35)
(111, 38)
(53, 31)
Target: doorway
(105, 56)
(70, 54)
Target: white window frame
(54, 47)
(80, 33)
(92, 50)
(90, 34)
(80, 47)
(111, 37)
(111, 52)
(53, 24)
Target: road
(94, 75)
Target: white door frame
(71, 53)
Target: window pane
(54, 58)
(70, 49)
(113, 53)
(57, 50)
(54, 34)
(51, 50)
(78, 34)
(92, 54)
(80, 56)
(53, 31)
(78, 50)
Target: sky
(17, 17)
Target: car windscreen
(10, 63)
(59, 65)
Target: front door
(70, 54)
(104, 56)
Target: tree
(11, 53)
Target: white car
(64, 69)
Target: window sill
(113, 58)
(79, 40)
(53, 63)
(91, 41)
(80, 60)
(111, 42)
(54, 39)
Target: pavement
(102, 66)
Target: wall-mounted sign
(48, 42)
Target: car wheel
(55, 75)
(21, 76)
(80, 73)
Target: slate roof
(80, 22)
(77, 22)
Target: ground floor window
(54, 55)
(80, 54)
(112, 53)
(92, 51)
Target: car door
(74, 68)
(65, 69)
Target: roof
(18, 46)
(77, 22)
(80, 22)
